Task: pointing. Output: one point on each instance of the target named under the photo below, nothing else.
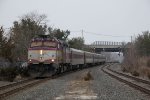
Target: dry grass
(148, 75)
(18, 78)
(135, 73)
(88, 76)
(138, 67)
(145, 71)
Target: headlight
(30, 60)
(41, 52)
(53, 60)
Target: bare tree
(37, 18)
(24, 30)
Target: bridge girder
(99, 50)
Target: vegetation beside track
(11, 73)
(88, 76)
(137, 57)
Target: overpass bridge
(106, 46)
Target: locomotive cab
(42, 52)
(43, 55)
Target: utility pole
(131, 39)
(82, 33)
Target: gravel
(73, 87)
(117, 67)
(3, 83)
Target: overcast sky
(103, 19)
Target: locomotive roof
(43, 39)
(48, 38)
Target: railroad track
(13, 88)
(137, 83)
(13, 84)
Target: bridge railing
(107, 43)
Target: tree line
(14, 43)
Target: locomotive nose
(41, 55)
(47, 56)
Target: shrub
(148, 75)
(148, 62)
(124, 69)
(135, 73)
(8, 73)
(88, 77)
(23, 72)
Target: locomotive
(48, 56)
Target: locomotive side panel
(59, 56)
(68, 52)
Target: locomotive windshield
(36, 44)
(43, 44)
(49, 44)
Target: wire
(75, 31)
(90, 33)
(100, 34)
(106, 35)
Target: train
(49, 56)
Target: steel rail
(14, 84)
(138, 87)
(19, 87)
(131, 77)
